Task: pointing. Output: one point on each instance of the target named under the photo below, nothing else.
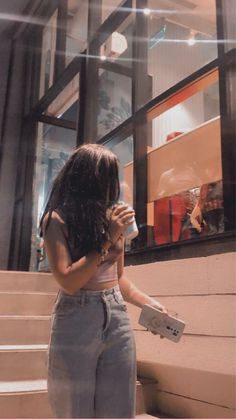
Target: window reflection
(124, 152)
(181, 39)
(115, 78)
(114, 100)
(54, 147)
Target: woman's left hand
(162, 308)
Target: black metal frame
(60, 56)
(227, 74)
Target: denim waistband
(91, 293)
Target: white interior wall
(169, 62)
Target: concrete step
(27, 281)
(28, 362)
(147, 416)
(24, 399)
(23, 362)
(23, 330)
(26, 304)
(29, 399)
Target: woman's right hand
(121, 216)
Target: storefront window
(181, 39)
(53, 149)
(114, 106)
(186, 115)
(115, 79)
(185, 197)
(124, 151)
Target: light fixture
(118, 44)
(192, 38)
(146, 11)
(115, 46)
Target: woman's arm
(131, 293)
(70, 276)
(73, 276)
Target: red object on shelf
(178, 210)
(168, 216)
(173, 134)
(162, 221)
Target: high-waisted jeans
(92, 356)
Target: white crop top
(107, 270)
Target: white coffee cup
(131, 231)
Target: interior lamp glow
(114, 47)
(146, 11)
(192, 39)
(118, 43)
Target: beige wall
(196, 376)
(186, 162)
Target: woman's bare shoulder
(53, 220)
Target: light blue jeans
(92, 356)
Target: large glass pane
(115, 93)
(77, 28)
(185, 198)
(124, 151)
(181, 39)
(185, 116)
(53, 149)
(66, 103)
(48, 54)
(115, 79)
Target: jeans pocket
(120, 300)
(65, 307)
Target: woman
(91, 359)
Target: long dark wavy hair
(84, 189)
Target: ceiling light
(115, 46)
(146, 11)
(192, 39)
(119, 44)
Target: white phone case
(161, 323)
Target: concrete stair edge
(28, 393)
